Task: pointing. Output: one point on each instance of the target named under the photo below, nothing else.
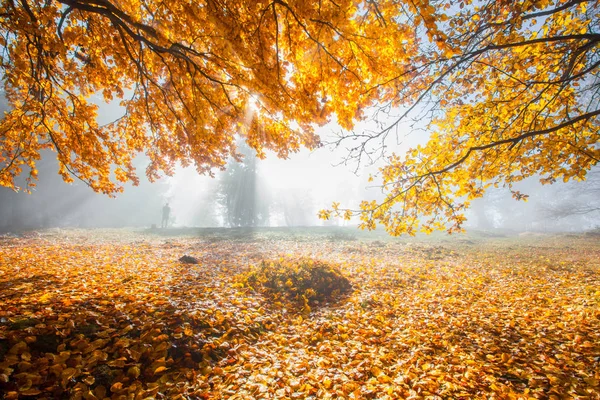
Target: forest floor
(112, 313)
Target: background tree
(242, 193)
(480, 210)
(577, 200)
(54, 203)
(296, 206)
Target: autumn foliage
(116, 315)
(304, 281)
(506, 89)
(190, 76)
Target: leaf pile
(304, 280)
(86, 316)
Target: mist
(273, 192)
(277, 193)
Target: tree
(509, 90)
(190, 76)
(578, 199)
(242, 193)
(53, 203)
(295, 206)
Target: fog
(276, 192)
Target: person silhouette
(166, 211)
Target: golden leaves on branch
(189, 76)
(508, 92)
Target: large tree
(191, 75)
(507, 88)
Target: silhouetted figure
(166, 211)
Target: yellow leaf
(160, 369)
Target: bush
(302, 281)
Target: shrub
(301, 281)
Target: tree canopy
(509, 91)
(190, 75)
(507, 88)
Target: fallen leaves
(302, 281)
(92, 319)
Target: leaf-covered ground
(97, 314)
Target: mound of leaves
(303, 281)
